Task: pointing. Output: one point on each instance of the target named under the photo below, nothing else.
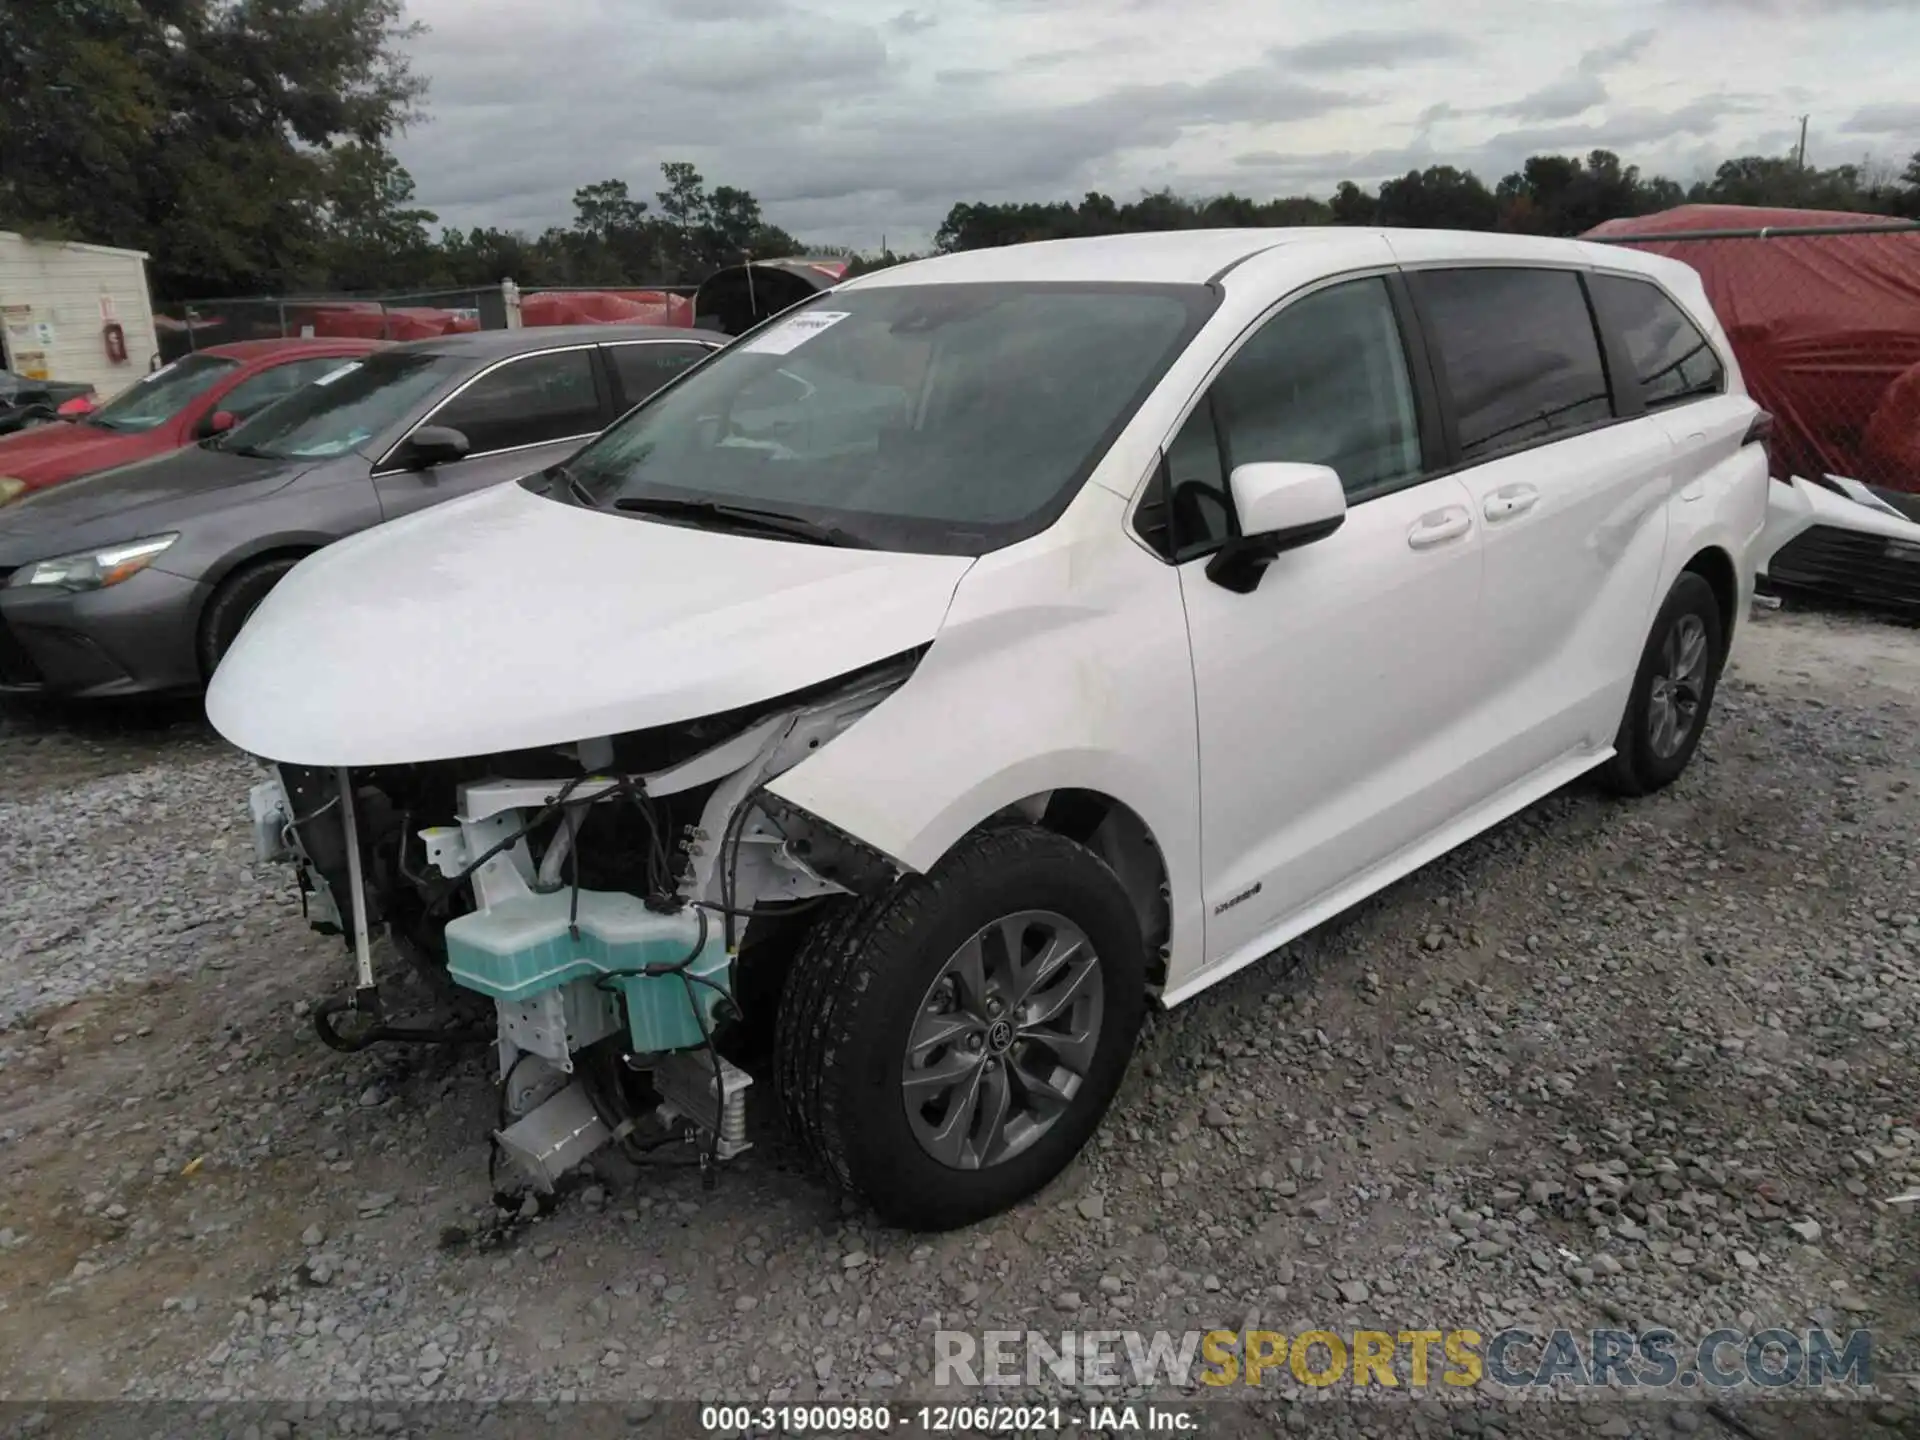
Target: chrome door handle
(1437, 527)
(1511, 500)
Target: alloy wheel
(1003, 1039)
(1673, 705)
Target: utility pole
(1801, 154)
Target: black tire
(238, 597)
(1637, 766)
(855, 992)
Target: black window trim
(381, 469)
(1428, 415)
(1615, 338)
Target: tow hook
(365, 1003)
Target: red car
(197, 396)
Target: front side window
(1671, 359)
(1324, 382)
(529, 401)
(941, 418)
(1518, 352)
(348, 408)
(156, 398)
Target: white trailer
(59, 303)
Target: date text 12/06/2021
(946, 1419)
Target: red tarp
(604, 307)
(1823, 326)
(367, 320)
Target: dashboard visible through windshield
(941, 418)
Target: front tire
(1672, 691)
(237, 598)
(946, 1049)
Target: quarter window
(1518, 352)
(526, 402)
(1671, 359)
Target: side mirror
(432, 445)
(1281, 506)
(218, 423)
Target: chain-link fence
(1825, 322)
(186, 326)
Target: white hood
(508, 621)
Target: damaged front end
(626, 903)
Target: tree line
(246, 145)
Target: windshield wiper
(772, 522)
(575, 486)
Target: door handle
(1691, 493)
(1437, 527)
(1511, 500)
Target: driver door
(518, 416)
(1330, 698)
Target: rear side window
(645, 366)
(1518, 353)
(1671, 359)
(527, 402)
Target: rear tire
(237, 598)
(1672, 692)
(1056, 1005)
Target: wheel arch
(1114, 831)
(1715, 566)
(230, 571)
(261, 552)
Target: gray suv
(136, 580)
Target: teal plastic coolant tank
(521, 947)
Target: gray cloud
(848, 118)
(1603, 58)
(1582, 88)
(1895, 118)
(706, 11)
(1570, 95)
(1791, 7)
(1371, 49)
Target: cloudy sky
(850, 119)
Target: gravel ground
(1611, 1064)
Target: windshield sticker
(333, 375)
(790, 335)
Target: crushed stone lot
(1613, 1064)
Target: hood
(508, 621)
(47, 454)
(147, 498)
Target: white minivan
(904, 698)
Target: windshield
(944, 418)
(155, 399)
(345, 408)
